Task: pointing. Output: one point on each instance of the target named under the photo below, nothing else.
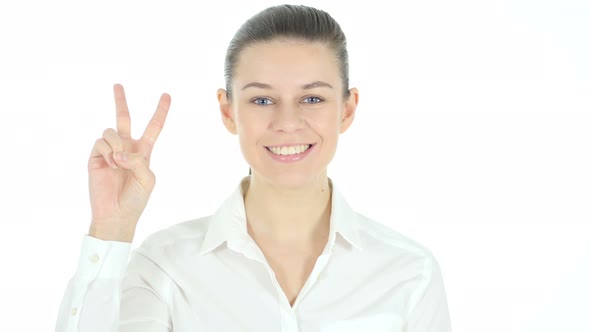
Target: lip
(288, 145)
(291, 158)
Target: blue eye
(262, 101)
(313, 100)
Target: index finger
(154, 127)
(123, 118)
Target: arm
(105, 292)
(107, 295)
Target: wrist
(109, 233)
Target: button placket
(289, 320)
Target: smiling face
(288, 108)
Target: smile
(288, 150)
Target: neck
(288, 216)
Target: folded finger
(101, 153)
(113, 139)
(139, 166)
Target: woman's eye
(262, 101)
(313, 100)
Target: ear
(227, 115)
(349, 109)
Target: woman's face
(287, 107)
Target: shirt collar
(229, 221)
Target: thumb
(138, 165)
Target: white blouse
(208, 274)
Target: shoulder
(395, 256)
(377, 232)
(183, 237)
(382, 240)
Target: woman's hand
(120, 180)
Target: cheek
(251, 126)
(326, 124)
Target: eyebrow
(312, 85)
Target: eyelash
(319, 100)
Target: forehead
(287, 61)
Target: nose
(288, 118)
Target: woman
(284, 252)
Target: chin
(291, 180)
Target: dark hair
(291, 21)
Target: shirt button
(94, 258)
(74, 311)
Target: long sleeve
(107, 294)
(430, 312)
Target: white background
(471, 137)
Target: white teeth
(291, 150)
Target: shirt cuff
(103, 259)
